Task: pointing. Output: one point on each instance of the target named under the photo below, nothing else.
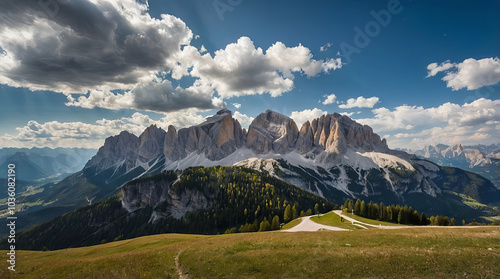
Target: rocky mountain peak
(151, 143)
(334, 134)
(115, 149)
(272, 132)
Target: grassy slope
(332, 219)
(445, 253)
(291, 224)
(370, 221)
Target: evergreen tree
(423, 219)
(357, 207)
(363, 209)
(350, 206)
(288, 214)
(264, 225)
(316, 209)
(294, 212)
(400, 217)
(346, 204)
(389, 213)
(275, 224)
(432, 221)
(382, 215)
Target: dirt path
(356, 222)
(339, 212)
(309, 226)
(180, 272)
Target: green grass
(332, 219)
(291, 224)
(402, 253)
(369, 221)
(144, 257)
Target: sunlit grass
(409, 253)
(332, 219)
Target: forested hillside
(238, 198)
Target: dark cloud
(84, 46)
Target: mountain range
(480, 159)
(43, 165)
(332, 156)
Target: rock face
(171, 147)
(151, 143)
(331, 135)
(120, 148)
(272, 132)
(159, 194)
(217, 137)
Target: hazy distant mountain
(481, 159)
(44, 163)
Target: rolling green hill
(410, 253)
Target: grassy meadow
(401, 253)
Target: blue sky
(74, 74)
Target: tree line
(395, 213)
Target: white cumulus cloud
(471, 73)
(301, 117)
(244, 120)
(330, 99)
(360, 102)
(415, 126)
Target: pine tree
(400, 216)
(357, 207)
(423, 219)
(389, 213)
(264, 225)
(294, 212)
(363, 209)
(316, 209)
(275, 224)
(350, 206)
(288, 214)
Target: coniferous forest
(395, 213)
